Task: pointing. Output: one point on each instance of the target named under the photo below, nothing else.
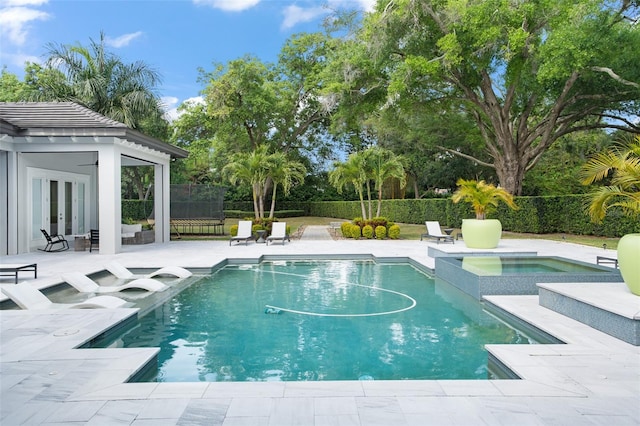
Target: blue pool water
(324, 320)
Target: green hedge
(136, 210)
(537, 215)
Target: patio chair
(28, 297)
(278, 232)
(245, 232)
(434, 232)
(53, 240)
(123, 273)
(84, 284)
(94, 238)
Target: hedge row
(537, 215)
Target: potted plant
(620, 164)
(481, 232)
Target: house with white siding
(60, 170)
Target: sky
(174, 37)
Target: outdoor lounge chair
(278, 232)
(94, 238)
(53, 240)
(434, 232)
(28, 297)
(245, 232)
(84, 284)
(123, 273)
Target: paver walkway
(316, 233)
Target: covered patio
(60, 168)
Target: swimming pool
(517, 275)
(319, 320)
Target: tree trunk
(256, 210)
(273, 202)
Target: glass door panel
(68, 208)
(53, 207)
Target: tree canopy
(527, 73)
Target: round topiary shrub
(345, 228)
(355, 231)
(381, 232)
(367, 231)
(233, 230)
(394, 232)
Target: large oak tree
(528, 72)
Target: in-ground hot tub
(515, 275)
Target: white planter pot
(629, 261)
(481, 234)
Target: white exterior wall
(62, 154)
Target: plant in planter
(620, 165)
(484, 198)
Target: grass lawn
(413, 232)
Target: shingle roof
(71, 119)
(53, 115)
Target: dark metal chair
(53, 240)
(94, 238)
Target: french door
(59, 203)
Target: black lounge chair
(53, 240)
(94, 238)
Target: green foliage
(367, 231)
(355, 231)
(374, 165)
(381, 232)
(540, 215)
(483, 197)
(526, 72)
(233, 230)
(394, 232)
(136, 210)
(621, 164)
(345, 229)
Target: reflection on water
(217, 329)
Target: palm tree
(100, 81)
(482, 196)
(382, 165)
(622, 162)
(251, 169)
(350, 172)
(285, 172)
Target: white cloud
(294, 15)
(228, 5)
(18, 59)
(170, 105)
(122, 40)
(5, 3)
(14, 22)
(366, 5)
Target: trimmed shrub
(233, 230)
(355, 231)
(394, 232)
(367, 231)
(345, 228)
(381, 232)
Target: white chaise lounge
(29, 297)
(123, 273)
(245, 232)
(434, 232)
(278, 232)
(84, 284)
